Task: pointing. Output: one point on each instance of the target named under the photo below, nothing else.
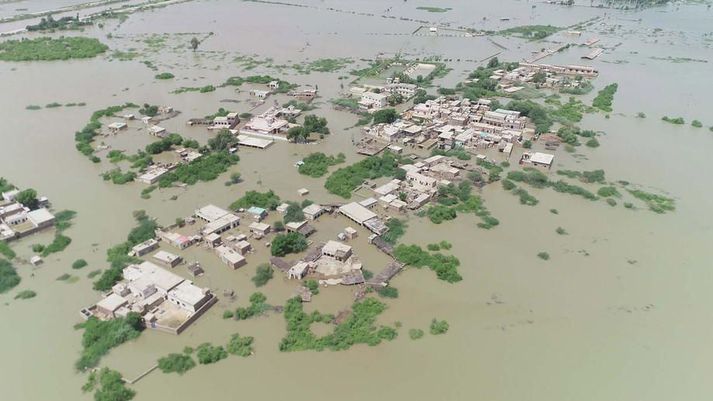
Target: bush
(606, 192)
(284, 244)
(265, 200)
(25, 294)
(111, 386)
(59, 243)
(561, 231)
(257, 306)
(178, 363)
(46, 49)
(445, 267)
(543, 255)
(388, 292)
(263, 274)
(79, 264)
(101, 336)
(312, 286)
(9, 278)
(359, 328)
(241, 346)
(439, 327)
(164, 75)
(207, 353)
(343, 181)
(316, 164)
(605, 97)
(415, 334)
(397, 228)
(696, 124)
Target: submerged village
(403, 160)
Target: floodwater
(621, 311)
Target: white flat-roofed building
(13, 208)
(313, 211)
(388, 188)
(337, 250)
(179, 241)
(144, 248)
(210, 213)
(157, 131)
(41, 218)
(116, 126)
(230, 257)
(152, 175)
(168, 258)
(356, 212)
(242, 247)
(10, 195)
(188, 296)
(148, 274)
(261, 229)
(221, 225)
(368, 203)
(299, 270)
(542, 159)
(373, 101)
(421, 182)
(109, 305)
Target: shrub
(25, 294)
(284, 244)
(178, 363)
(79, 264)
(263, 274)
(439, 327)
(241, 346)
(388, 292)
(207, 353)
(415, 334)
(543, 255)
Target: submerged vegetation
(605, 98)
(359, 328)
(47, 49)
(445, 267)
(178, 363)
(533, 32)
(316, 164)
(656, 203)
(100, 337)
(345, 180)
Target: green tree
(28, 197)
(284, 244)
(223, 141)
(194, 43)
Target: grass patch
(47, 49)
(604, 99)
(25, 294)
(656, 203)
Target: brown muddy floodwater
(621, 311)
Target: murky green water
(586, 325)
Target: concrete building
(168, 258)
(337, 250)
(313, 211)
(373, 101)
(144, 248)
(260, 229)
(230, 257)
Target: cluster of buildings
(18, 220)
(165, 300)
(376, 97)
(331, 263)
(555, 76)
(154, 172)
(273, 123)
(455, 123)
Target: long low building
(364, 217)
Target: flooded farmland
(620, 311)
